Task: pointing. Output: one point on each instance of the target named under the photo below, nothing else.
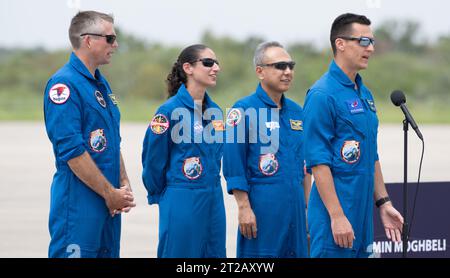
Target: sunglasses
(363, 41)
(109, 38)
(207, 62)
(280, 65)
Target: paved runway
(27, 167)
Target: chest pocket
(350, 140)
(96, 112)
(351, 124)
(295, 128)
(99, 129)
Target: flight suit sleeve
(156, 155)
(376, 150)
(63, 119)
(319, 128)
(235, 151)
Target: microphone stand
(405, 190)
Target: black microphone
(398, 99)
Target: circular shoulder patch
(234, 117)
(59, 93)
(192, 168)
(350, 151)
(268, 164)
(100, 99)
(159, 124)
(97, 140)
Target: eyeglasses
(363, 41)
(280, 65)
(109, 38)
(207, 62)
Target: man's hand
(392, 221)
(247, 222)
(125, 185)
(117, 199)
(342, 231)
(246, 216)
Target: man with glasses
(264, 164)
(82, 121)
(341, 125)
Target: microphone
(398, 99)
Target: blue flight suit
(271, 173)
(341, 126)
(183, 177)
(81, 115)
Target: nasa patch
(234, 117)
(268, 164)
(159, 124)
(97, 140)
(59, 93)
(100, 99)
(350, 151)
(192, 168)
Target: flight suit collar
(81, 68)
(187, 99)
(342, 78)
(262, 94)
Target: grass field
(23, 106)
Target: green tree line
(139, 68)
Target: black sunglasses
(363, 41)
(207, 62)
(280, 65)
(109, 38)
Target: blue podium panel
(430, 230)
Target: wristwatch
(381, 201)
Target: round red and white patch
(159, 124)
(59, 93)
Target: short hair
(261, 51)
(342, 26)
(86, 22)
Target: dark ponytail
(177, 76)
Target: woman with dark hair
(182, 157)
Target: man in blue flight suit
(82, 121)
(341, 125)
(264, 163)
